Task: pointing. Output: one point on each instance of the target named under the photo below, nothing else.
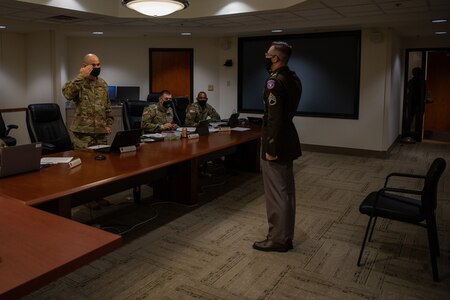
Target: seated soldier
(159, 116)
(200, 111)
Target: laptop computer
(233, 121)
(203, 127)
(123, 139)
(20, 159)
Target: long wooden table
(37, 247)
(58, 188)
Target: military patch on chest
(272, 99)
(270, 84)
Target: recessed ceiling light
(186, 33)
(440, 32)
(439, 21)
(97, 32)
(2, 26)
(277, 30)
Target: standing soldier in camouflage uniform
(200, 111)
(159, 116)
(280, 147)
(93, 118)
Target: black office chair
(132, 113)
(181, 103)
(153, 97)
(393, 203)
(4, 132)
(45, 125)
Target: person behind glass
(280, 146)
(159, 116)
(93, 114)
(200, 111)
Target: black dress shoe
(267, 245)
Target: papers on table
(95, 147)
(189, 129)
(55, 160)
(154, 135)
(240, 128)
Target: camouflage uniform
(92, 113)
(196, 113)
(155, 116)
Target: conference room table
(58, 188)
(37, 247)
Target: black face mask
(202, 103)
(95, 72)
(167, 104)
(268, 64)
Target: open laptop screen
(20, 159)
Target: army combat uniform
(196, 113)
(279, 138)
(92, 112)
(155, 116)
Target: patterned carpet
(173, 251)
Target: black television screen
(128, 93)
(327, 63)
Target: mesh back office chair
(132, 113)
(45, 124)
(399, 204)
(4, 131)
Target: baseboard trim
(350, 151)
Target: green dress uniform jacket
(93, 111)
(154, 117)
(196, 113)
(282, 94)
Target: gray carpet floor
(173, 251)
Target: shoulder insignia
(270, 84)
(272, 99)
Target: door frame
(424, 65)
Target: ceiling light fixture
(156, 8)
(439, 21)
(277, 30)
(2, 26)
(440, 32)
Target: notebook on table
(122, 139)
(20, 159)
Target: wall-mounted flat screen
(128, 93)
(327, 63)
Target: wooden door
(437, 107)
(171, 69)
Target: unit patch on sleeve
(272, 99)
(270, 84)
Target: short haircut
(283, 49)
(167, 92)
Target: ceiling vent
(63, 18)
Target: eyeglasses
(202, 98)
(167, 99)
(268, 54)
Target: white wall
(34, 68)
(125, 61)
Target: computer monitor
(128, 93)
(112, 91)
